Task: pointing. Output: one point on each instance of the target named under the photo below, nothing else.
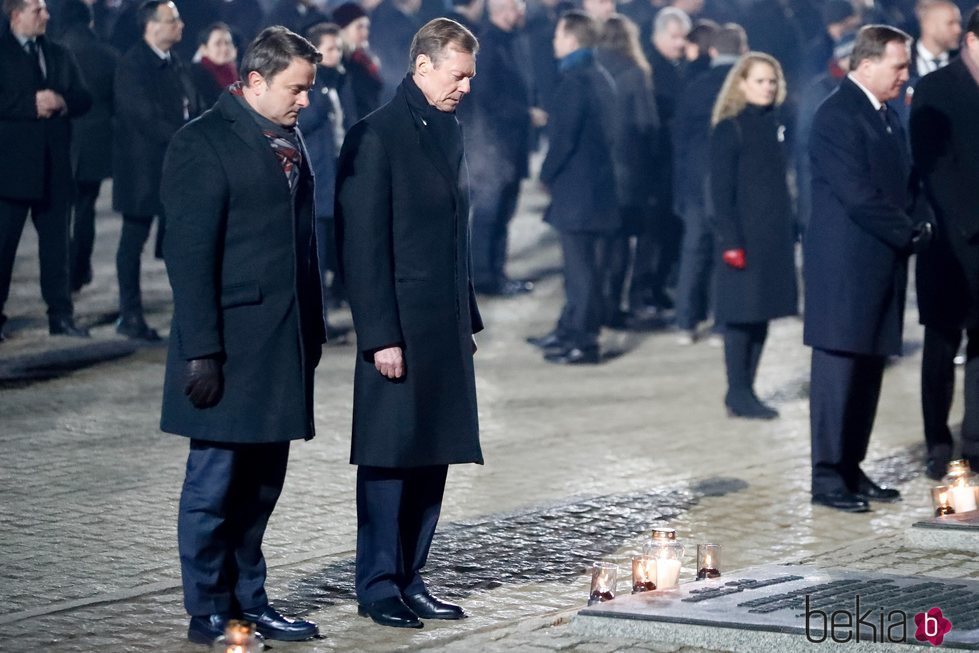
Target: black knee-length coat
(402, 215)
(752, 211)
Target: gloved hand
(205, 384)
(921, 235)
(734, 258)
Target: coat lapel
(247, 130)
(428, 144)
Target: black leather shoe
(427, 606)
(273, 625)
(391, 611)
(136, 328)
(748, 407)
(206, 629)
(550, 340)
(845, 501)
(574, 356)
(873, 492)
(65, 326)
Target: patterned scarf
(284, 143)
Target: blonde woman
(753, 222)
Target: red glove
(734, 258)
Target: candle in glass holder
(239, 637)
(667, 573)
(708, 561)
(963, 496)
(643, 574)
(941, 500)
(603, 579)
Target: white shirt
(40, 51)
(927, 62)
(160, 53)
(870, 96)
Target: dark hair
(316, 33)
(872, 40)
(347, 13)
(580, 25)
(147, 13)
(972, 25)
(205, 34)
(702, 34)
(75, 12)
(620, 34)
(273, 50)
(10, 6)
(730, 40)
(837, 11)
(438, 35)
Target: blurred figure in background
(361, 66)
(752, 213)
(599, 10)
(468, 13)
(619, 52)
(944, 138)
(295, 15)
(840, 18)
(91, 134)
(941, 29)
(697, 51)
(691, 140)
(217, 67)
(393, 25)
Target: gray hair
(437, 36)
(668, 15)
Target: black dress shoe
(136, 328)
(427, 606)
(873, 492)
(273, 625)
(391, 611)
(841, 500)
(206, 629)
(574, 356)
(748, 406)
(936, 468)
(65, 326)
(551, 340)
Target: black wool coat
(579, 169)
(153, 99)
(402, 219)
(945, 145)
(855, 263)
(691, 137)
(752, 211)
(91, 134)
(241, 256)
(36, 150)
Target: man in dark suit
(154, 98)
(579, 172)
(499, 143)
(856, 257)
(247, 328)
(691, 138)
(944, 134)
(941, 28)
(91, 135)
(402, 215)
(40, 91)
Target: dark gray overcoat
(241, 257)
(403, 236)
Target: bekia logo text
(874, 625)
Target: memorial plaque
(953, 532)
(801, 605)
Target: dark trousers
(50, 218)
(83, 232)
(493, 208)
(326, 254)
(657, 251)
(843, 394)
(397, 511)
(694, 278)
(135, 232)
(619, 257)
(228, 496)
(743, 344)
(581, 318)
(938, 389)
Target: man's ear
(423, 64)
(255, 82)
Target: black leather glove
(921, 235)
(205, 384)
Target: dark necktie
(885, 116)
(34, 54)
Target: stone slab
(764, 608)
(952, 532)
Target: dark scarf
(441, 124)
(283, 141)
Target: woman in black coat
(753, 220)
(638, 121)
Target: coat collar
(426, 139)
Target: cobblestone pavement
(580, 463)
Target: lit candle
(963, 497)
(667, 573)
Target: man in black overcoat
(91, 135)
(498, 137)
(40, 91)
(856, 257)
(402, 213)
(579, 172)
(247, 327)
(154, 97)
(944, 138)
